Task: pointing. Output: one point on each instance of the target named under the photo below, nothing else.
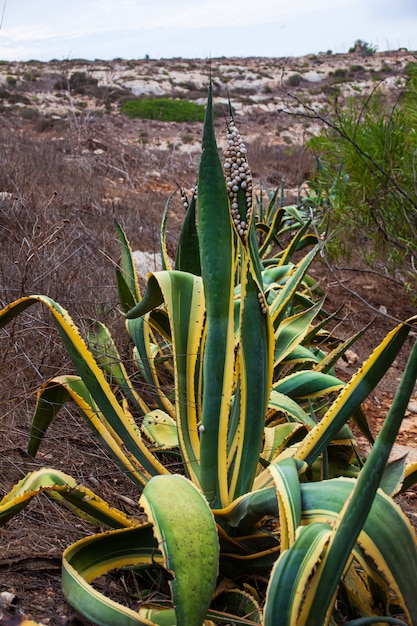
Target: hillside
(83, 94)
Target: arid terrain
(71, 162)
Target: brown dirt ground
(32, 543)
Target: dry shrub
(57, 238)
(274, 162)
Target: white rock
(147, 262)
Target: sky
(134, 29)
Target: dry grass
(57, 238)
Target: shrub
(163, 109)
(294, 80)
(363, 48)
(79, 83)
(367, 151)
(356, 68)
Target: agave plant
(270, 517)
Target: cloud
(130, 28)
(397, 10)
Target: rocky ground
(70, 163)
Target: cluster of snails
(262, 302)
(184, 198)
(238, 176)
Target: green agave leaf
(146, 353)
(127, 263)
(161, 429)
(291, 332)
(63, 487)
(255, 358)
(217, 258)
(307, 384)
(393, 476)
(292, 410)
(127, 279)
(287, 484)
(96, 555)
(152, 298)
(249, 509)
(297, 242)
(183, 296)
(299, 356)
(159, 320)
(188, 250)
(281, 302)
(306, 240)
(275, 275)
(395, 558)
(354, 393)
(321, 506)
(358, 505)
(271, 229)
(290, 575)
(51, 398)
(166, 263)
(94, 379)
(252, 242)
(102, 346)
(186, 532)
(410, 477)
(126, 299)
(278, 437)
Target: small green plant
(163, 109)
(356, 68)
(187, 138)
(258, 510)
(340, 72)
(294, 80)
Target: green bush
(164, 109)
(294, 80)
(368, 156)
